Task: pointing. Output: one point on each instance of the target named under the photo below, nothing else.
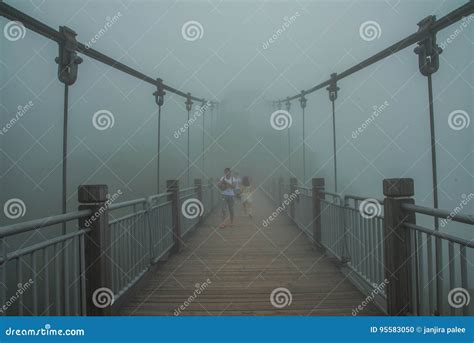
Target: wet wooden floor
(233, 271)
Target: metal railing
(353, 230)
(430, 288)
(36, 279)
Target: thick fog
(243, 61)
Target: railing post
(397, 244)
(317, 196)
(198, 185)
(172, 186)
(96, 244)
(293, 185)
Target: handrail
(440, 234)
(126, 204)
(438, 25)
(42, 222)
(440, 213)
(31, 23)
(361, 198)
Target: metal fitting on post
(333, 88)
(160, 93)
(303, 100)
(189, 102)
(427, 50)
(68, 61)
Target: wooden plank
(244, 264)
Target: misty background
(230, 65)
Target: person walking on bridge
(227, 184)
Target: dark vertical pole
(64, 196)
(203, 140)
(198, 185)
(172, 186)
(333, 89)
(189, 105)
(317, 196)
(334, 144)
(211, 194)
(159, 99)
(97, 243)
(158, 152)
(439, 281)
(397, 244)
(304, 152)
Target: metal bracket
(68, 60)
(160, 93)
(189, 102)
(333, 88)
(427, 50)
(303, 100)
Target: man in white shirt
(227, 185)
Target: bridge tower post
(198, 185)
(172, 186)
(98, 264)
(397, 244)
(317, 196)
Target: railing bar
(451, 271)
(464, 276)
(430, 274)
(35, 282)
(134, 202)
(46, 280)
(19, 272)
(66, 279)
(57, 273)
(420, 275)
(440, 234)
(3, 266)
(42, 222)
(439, 213)
(130, 215)
(41, 245)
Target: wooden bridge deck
(244, 264)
